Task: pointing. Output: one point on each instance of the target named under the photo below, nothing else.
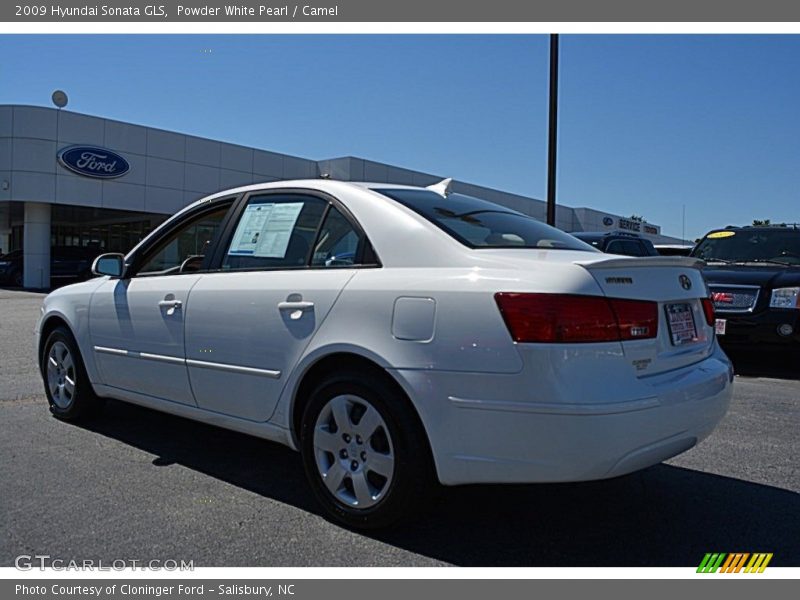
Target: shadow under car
(662, 516)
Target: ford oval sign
(90, 161)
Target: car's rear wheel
(365, 452)
(69, 393)
(17, 278)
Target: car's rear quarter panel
(468, 330)
(499, 411)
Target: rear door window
(275, 231)
(338, 244)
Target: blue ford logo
(90, 161)
(608, 221)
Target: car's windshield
(480, 224)
(769, 246)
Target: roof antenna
(442, 188)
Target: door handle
(170, 305)
(296, 307)
(299, 305)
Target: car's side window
(637, 248)
(338, 242)
(184, 250)
(275, 231)
(625, 247)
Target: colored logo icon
(735, 562)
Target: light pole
(551, 137)
(683, 225)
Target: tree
(761, 223)
(638, 218)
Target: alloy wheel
(353, 451)
(61, 375)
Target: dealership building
(69, 179)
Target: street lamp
(551, 137)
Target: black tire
(16, 278)
(413, 481)
(79, 403)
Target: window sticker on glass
(255, 217)
(265, 230)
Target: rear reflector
(708, 310)
(568, 318)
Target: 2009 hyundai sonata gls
(397, 337)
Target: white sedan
(398, 337)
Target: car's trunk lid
(677, 285)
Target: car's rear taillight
(568, 318)
(637, 319)
(708, 310)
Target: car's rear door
(286, 258)
(137, 323)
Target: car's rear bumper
(484, 429)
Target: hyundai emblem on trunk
(686, 283)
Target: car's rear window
(480, 224)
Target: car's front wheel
(365, 452)
(69, 393)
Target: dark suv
(618, 242)
(66, 263)
(753, 274)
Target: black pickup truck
(753, 274)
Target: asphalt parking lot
(137, 484)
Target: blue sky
(647, 124)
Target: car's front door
(283, 267)
(137, 323)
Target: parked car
(66, 263)
(674, 249)
(398, 337)
(73, 262)
(11, 268)
(754, 277)
(618, 242)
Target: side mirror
(109, 264)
